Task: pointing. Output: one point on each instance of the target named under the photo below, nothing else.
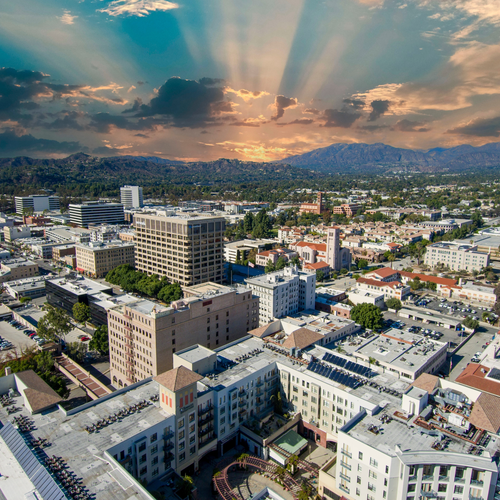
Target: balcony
(259, 384)
(168, 446)
(242, 403)
(346, 453)
(208, 418)
(242, 393)
(168, 435)
(344, 477)
(168, 457)
(344, 488)
(346, 465)
(205, 431)
(205, 410)
(477, 482)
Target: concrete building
(457, 256)
(15, 269)
(27, 287)
(390, 289)
(188, 249)
(96, 259)
(347, 209)
(283, 292)
(131, 196)
(262, 258)
(36, 203)
(95, 213)
(144, 335)
(382, 456)
(242, 248)
(313, 208)
(13, 233)
(359, 296)
(61, 251)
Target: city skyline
(203, 80)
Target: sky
(256, 80)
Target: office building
(187, 249)
(36, 203)
(239, 250)
(317, 208)
(96, 212)
(283, 293)
(27, 287)
(144, 335)
(96, 259)
(347, 209)
(457, 256)
(16, 269)
(13, 233)
(131, 196)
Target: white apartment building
(36, 202)
(359, 296)
(283, 292)
(131, 196)
(96, 213)
(391, 289)
(457, 255)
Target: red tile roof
(384, 272)
(432, 279)
(474, 375)
(379, 284)
(320, 247)
(317, 265)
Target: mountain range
(346, 158)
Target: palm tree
(293, 461)
(391, 259)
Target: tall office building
(96, 212)
(131, 196)
(36, 202)
(188, 249)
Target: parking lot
(455, 309)
(17, 338)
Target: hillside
(373, 158)
(24, 174)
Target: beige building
(456, 255)
(144, 335)
(188, 249)
(97, 259)
(16, 269)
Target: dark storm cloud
(312, 111)
(144, 136)
(281, 103)
(299, 121)
(378, 109)
(12, 144)
(64, 120)
(141, 83)
(339, 118)
(372, 128)
(211, 81)
(480, 127)
(354, 103)
(410, 126)
(185, 103)
(105, 151)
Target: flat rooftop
(13, 263)
(96, 246)
(317, 321)
(401, 349)
(194, 354)
(83, 452)
(109, 301)
(80, 285)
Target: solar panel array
(348, 365)
(334, 374)
(37, 473)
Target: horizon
(192, 81)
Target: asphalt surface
(20, 341)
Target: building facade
(144, 335)
(96, 259)
(36, 203)
(457, 256)
(188, 249)
(96, 213)
(131, 196)
(283, 292)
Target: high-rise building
(36, 202)
(144, 335)
(96, 259)
(131, 196)
(187, 249)
(96, 212)
(283, 292)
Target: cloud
(185, 103)
(472, 70)
(139, 8)
(372, 128)
(67, 18)
(250, 122)
(132, 87)
(480, 127)
(144, 136)
(247, 95)
(281, 103)
(68, 120)
(354, 103)
(378, 109)
(312, 111)
(372, 3)
(141, 83)
(339, 118)
(299, 121)
(211, 81)
(409, 126)
(482, 10)
(13, 144)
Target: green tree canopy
(362, 263)
(367, 315)
(81, 312)
(320, 275)
(99, 341)
(393, 303)
(55, 325)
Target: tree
(471, 323)
(269, 267)
(280, 263)
(320, 275)
(99, 341)
(327, 217)
(248, 222)
(81, 312)
(344, 271)
(295, 261)
(170, 293)
(24, 300)
(362, 263)
(393, 303)
(55, 325)
(367, 315)
(76, 351)
(391, 259)
(293, 462)
(184, 486)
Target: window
(142, 446)
(142, 459)
(191, 428)
(360, 455)
(459, 489)
(143, 471)
(372, 474)
(153, 438)
(442, 487)
(373, 462)
(181, 423)
(411, 487)
(154, 449)
(154, 461)
(182, 457)
(181, 435)
(358, 480)
(192, 450)
(155, 472)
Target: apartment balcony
(208, 418)
(168, 435)
(346, 453)
(344, 477)
(477, 482)
(344, 488)
(242, 393)
(259, 384)
(205, 410)
(346, 465)
(242, 403)
(168, 458)
(206, 430)
(168, 446)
